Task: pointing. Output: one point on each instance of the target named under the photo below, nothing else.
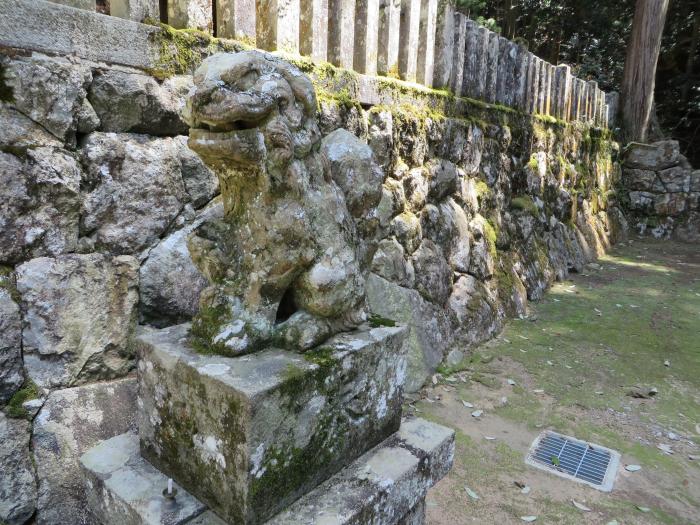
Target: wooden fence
(420, 41)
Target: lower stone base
(385, 486)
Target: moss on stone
(7, 93)
(182, 50)
(14, 406)
(7, 281)
(375, 321)
(524, 203)
(205, 326)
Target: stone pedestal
(385, 486)
(249, 435)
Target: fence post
(444, 43)
(136, 10)
(389, 26)
(235, 19)
(457, 72)
(191, 14)
(277, 25)
(492, 68)
(313, 29)
(366, 36)
(408, 41)
(522, 62)
(341, 33)
(426, 42)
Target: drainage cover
(574, 459)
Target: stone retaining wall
(662, 191)
(482, 208)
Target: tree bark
(638, 80)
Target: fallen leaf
(538, 391)
(550, 363)
(504, 401)
(435, 379)
(525, 490)
(580, 506)
(471, 493)
(489, 438)
(667, 363)
(511, 382)
(633, 468)
(643, 509)
(467, 404)
(528, 519)
(477, 413)
(613, 522)
(692, 457)
(523, 337)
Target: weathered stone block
(429, 333)
(192, 14)
(236, 19)
(72, 421)
(80, 311)
(639, 179)
(472, 60)
(675, 179)
(76, 32)
(507, 53)
(169, 282)
(136, 188)
(123, 488)
(522, 65)
(657, 156)
(88, 5)
(341, 33)
(17, 480)
(313, 29)
(249, 435)
(11, 371)
(41, 200)
(134, 102)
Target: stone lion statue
(288, 263)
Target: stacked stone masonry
(662, 191)
(423, 41)
(481, 209)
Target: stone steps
(386, 485)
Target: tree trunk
(638, 79)
(690, 64)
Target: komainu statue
(288, 263)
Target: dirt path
(631, 320)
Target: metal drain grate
(575, 459)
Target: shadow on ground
(630, 320)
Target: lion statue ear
(302, 87)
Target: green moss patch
(14, 407)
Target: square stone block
(251, 434)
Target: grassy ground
(630, 320)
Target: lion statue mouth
(235, 99)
